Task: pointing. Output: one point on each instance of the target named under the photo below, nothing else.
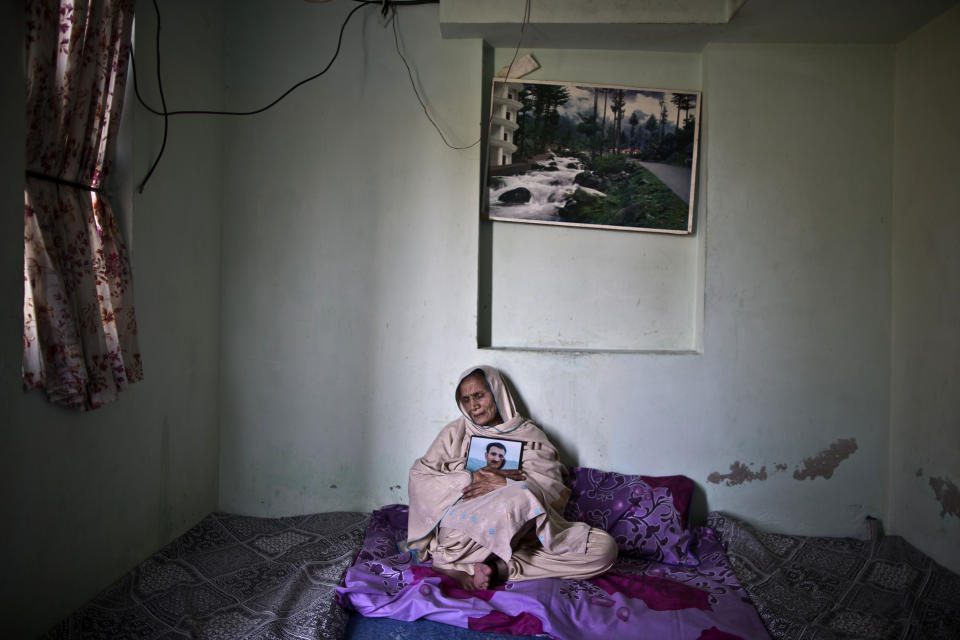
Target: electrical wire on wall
(484, 129)
(388, 8)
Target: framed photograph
(496, 453)
(567, 153)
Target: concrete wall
(348, 302)
(797, 293)
(85, 496)
(350, 277)
(592, 288)
(925, 399)
(350, 255)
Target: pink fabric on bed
(659, 594)
(523, 624)
(637, 596)
(448, 586)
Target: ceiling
(685, 25)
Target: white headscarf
(438, 479)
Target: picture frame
(479, 446)
(589, 155)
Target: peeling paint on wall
(920, 472)
(739, 473)
(947, 495)
(823, 464)
(827, 461)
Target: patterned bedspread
(841, 588)
(231, 577)
(238, 577)
(637, 598)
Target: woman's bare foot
(482, 575)
(480, 580)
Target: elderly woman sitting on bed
(494, 525)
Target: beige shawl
(439, 477)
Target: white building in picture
(503, 122)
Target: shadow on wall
(567, 456)
(698, 506)
(698, 503)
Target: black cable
(163, 102)
(386, 7)
(166, 114)
(396, 3)
(211, 112)
(136, 87)
(62, 182)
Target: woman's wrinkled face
(477, 401)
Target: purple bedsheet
(634, 597)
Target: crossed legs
(473, 567)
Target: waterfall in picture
(548, 183)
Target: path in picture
(592, 155)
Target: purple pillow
(646, 516)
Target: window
(81, 360)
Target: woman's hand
(485, 481)
(511, 474)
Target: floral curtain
(79, 324)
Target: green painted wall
(307, 280)
(573, 288)
(350, 274)
(925, 398)
(85, 496)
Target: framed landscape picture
(567, 153)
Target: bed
(339, 575)
(820, 588)
(703, 602)
(231, 577)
